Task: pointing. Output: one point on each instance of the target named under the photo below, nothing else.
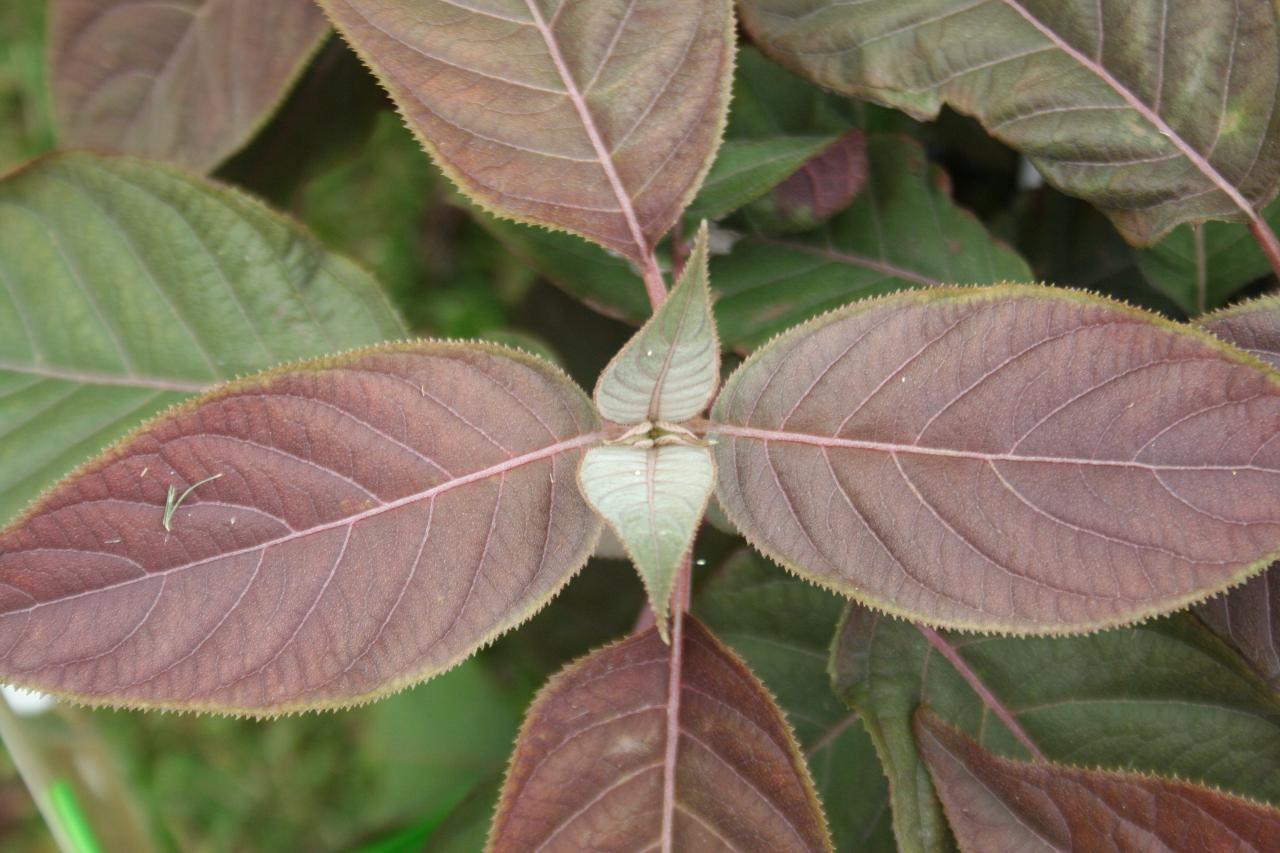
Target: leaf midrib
(350, 520)
(828, 441)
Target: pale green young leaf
(126, 286)
(669, 370)
(653, 498)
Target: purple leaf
(1010, 458)
(375, 518)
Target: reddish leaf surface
(1009, 458)
(1249, 617)
(595, 116)
(995, 805)
(375, 518)
(587, 773)
(820, 189)
(187, 80)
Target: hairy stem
(984, 693)
(680, 603)
(1267, 240)
(654, 285)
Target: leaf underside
(1011, 458)
(587, 773)
(1144, 108)
(188, 81)
(599, 117)
(127, 286)
(1165, 697)
(1001, 806)
(669, 369)
(653, 498)
(1248, 617)
(376, 517)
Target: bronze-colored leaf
(818, 190)
(588, 771)
(339, 529)
(1159, 113)
(1007, 458)
(599, 117)
(185, 80)
(996, 805)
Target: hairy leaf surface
(782, 627)
(653, 498)
(1165, 697)
(1248, 617)
(126, 286)
(1159, 113)
(187, 80)
(1202, 265)
(669, 369)
(1000, 806)
(364, 522)
(600, 117)
(902, 231)
(1011, 458)
(587, 773)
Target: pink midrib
(593, 132)
(1195, 157)
(466, 479)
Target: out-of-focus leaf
(466, 828)
(653, 498)
(188, 80)
(1010, 458)
(26, 123)
(1136, 107)
(819, 189)
(407, 493)
(599, 117)
(1000, 806)
(783, 628)
(746, 169)
(588, 772)
(903, 231)
(670, 369)
(126, 286)
(1248, 616)
(1165, 697)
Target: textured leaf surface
(818, 190)
(1001, 806)
(783, 628)
(653, 498)
(1165, 697)
(600, 117)
(187, 80)
(587, 773)
(1201, 266)
(669, 370)
(126, 286)
(1143, 108)
(375, 518)
(1012, 459)
(1249, 616)
(746, 169)
(902, 231)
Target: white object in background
(26, 703)
(1029, 177)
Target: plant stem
(680, 603)
(653, 282)
(984, 693)
(1267, 240)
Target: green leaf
(1137, 107)
(1166, 697)
(126, 286)
(653, 498)
(825, 185)
(669, 370)
(903, 231)
(746, 169)
(783, 627)
(1202, 265)
(1001, 806)
(599, 118)
(188, 82)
